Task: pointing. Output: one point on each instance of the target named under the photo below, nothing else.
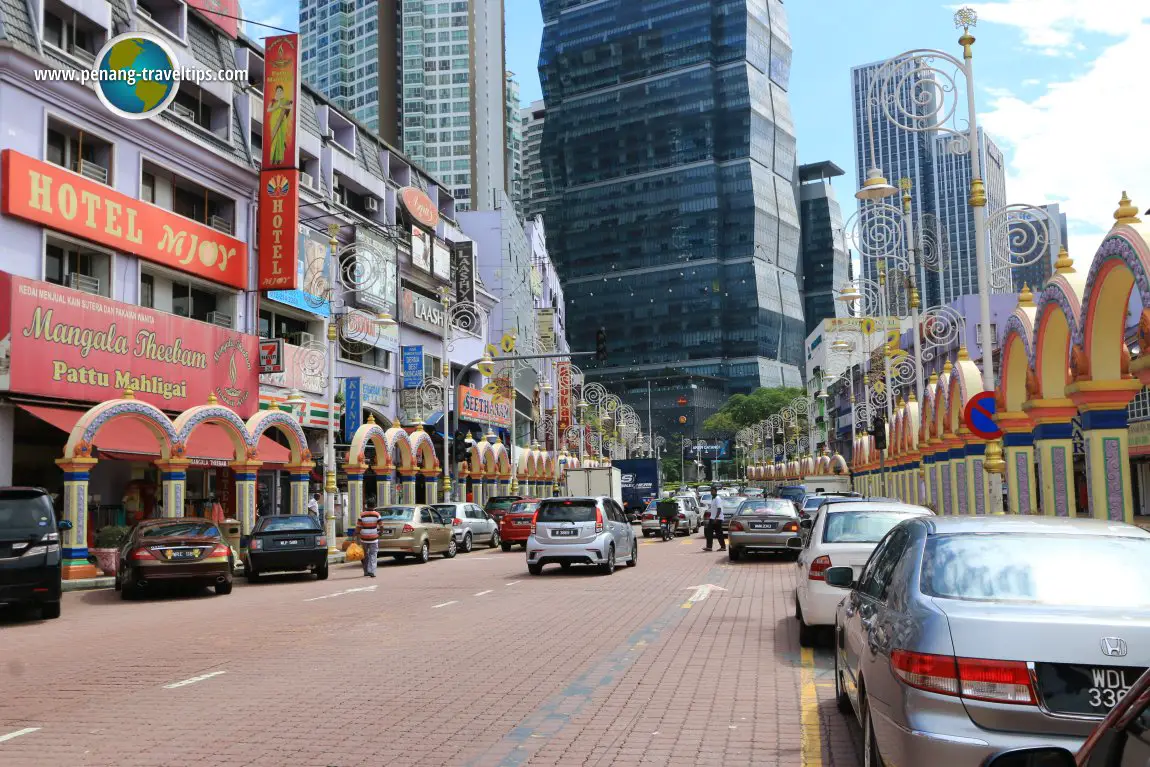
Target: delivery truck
(640, 478)
(595, 481)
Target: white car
(841, 534)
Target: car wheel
(224, 588)
(871, 755)
(128, 590)
(634, 560)
(467, 543)
(842, 700)
(321, 574)
(251, 574)
(494, 540)
(523, 546)
(807, 634)
(424, 553)
(535, 569)
(646, 533)
(505, 545)
(452, 549)
(608, 567)
(49, 610)
(733, 553)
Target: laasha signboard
(58, 342)
(69, 203)
(279, 175)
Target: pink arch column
(244, 473)
(174, 480)
(74, 542)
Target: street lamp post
(471, 318)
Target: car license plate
(522, 522)
(181, 553)
(762, 525)
(292, 542)
(564, 532)
(386, 530)
(1090, 690)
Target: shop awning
(128, 440)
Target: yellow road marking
(812, 735)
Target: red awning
(128, 440)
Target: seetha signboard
(58, 342)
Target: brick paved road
(468, 662)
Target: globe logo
(137, 75)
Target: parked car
(581, 531)
(1122, 739)
(729, 504)
(497, 505)
(515, 526)
(966, 636)
(415, 531)
(178, 550)
(753, 492)
(287, 542)
(841, 534)
(763, 525)
(689, 520)
(810, 504)
(705, 499)
(30, 557)
(470, 524)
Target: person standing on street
(313, 507)
(714, 527)
(367, 531)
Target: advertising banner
(360, 327)
(58, 342)
(463, 270)
(281, 97)
(412, 367)
(271, 355)
(421, 312)
(410, 408)
(441, 260)
(69, 203)
(481, 407)
(311, 268)
(375, 270)
(420, 249)
(279, 230)
(419, 206)
(352, 406)
(563, 373)
(545, 321)
(375, 394)
(224, 14)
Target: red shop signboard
(62, 343)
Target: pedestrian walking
(714, 527)
(367, 531)
(313, 506)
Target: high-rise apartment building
(514, 144)
(825, 263)
(428, 76)
(669, 154)
(532, 191)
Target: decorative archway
(368, 433)
(426, 462)
(77, 464)
(1017, 381)
(401, 456)
(300, 467)
(971, 482)
(502, 460)
(1103, 384)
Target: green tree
(670, 467)
(743, 410)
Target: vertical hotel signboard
(279, 174)
(565, 396)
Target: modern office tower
(900, 154)
(514, 161)
(436, 87)
(1035, 275)
(959, 277)
(669, 154)
(825, 263)
(533, 192)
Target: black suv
(30, 556)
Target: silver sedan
(967, 636)
(763, 525)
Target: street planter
(106, 550)
(106, 560)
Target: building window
(293, 331)
(77, 266)
(147, 291)
(191, 302)
(79, 151)
(71, 32)
(187, 198)
(147, 187)
(365, 354)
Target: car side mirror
(806, 524)
(839, 577)
(64, 524)
(1044, 756)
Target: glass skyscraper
(669, 157)
(825, 262)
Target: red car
(515, 524)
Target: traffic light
(459, 446)
(601, 345)
(878, 430)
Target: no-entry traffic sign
(979, 416)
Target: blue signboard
(412, 367)
(352, 407)
(311, 266)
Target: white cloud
(1079, 143)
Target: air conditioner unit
(299, 339)
(83, 282)
(305, 179)
(330, 135)
(371, 204)
(221, 224)
(220, 318)
(183, 112)
(91, 170)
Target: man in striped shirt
(367, 530)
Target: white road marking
(341, 593)
(512, 583)
(193, 680)
(481, 593)
(18, 733)
(701, 593)
(444, 604)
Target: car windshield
(527, 507)
(566, 511)
(400, 513)
(860, 526)
(171, 529)
(774, 507)
(284, 524)
(792, 493)
(448, 510)
(731, 502)
(704, 496)
(1066, 570)
(499, 505)
(25, 513)
(813, 502)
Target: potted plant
(107, 548)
